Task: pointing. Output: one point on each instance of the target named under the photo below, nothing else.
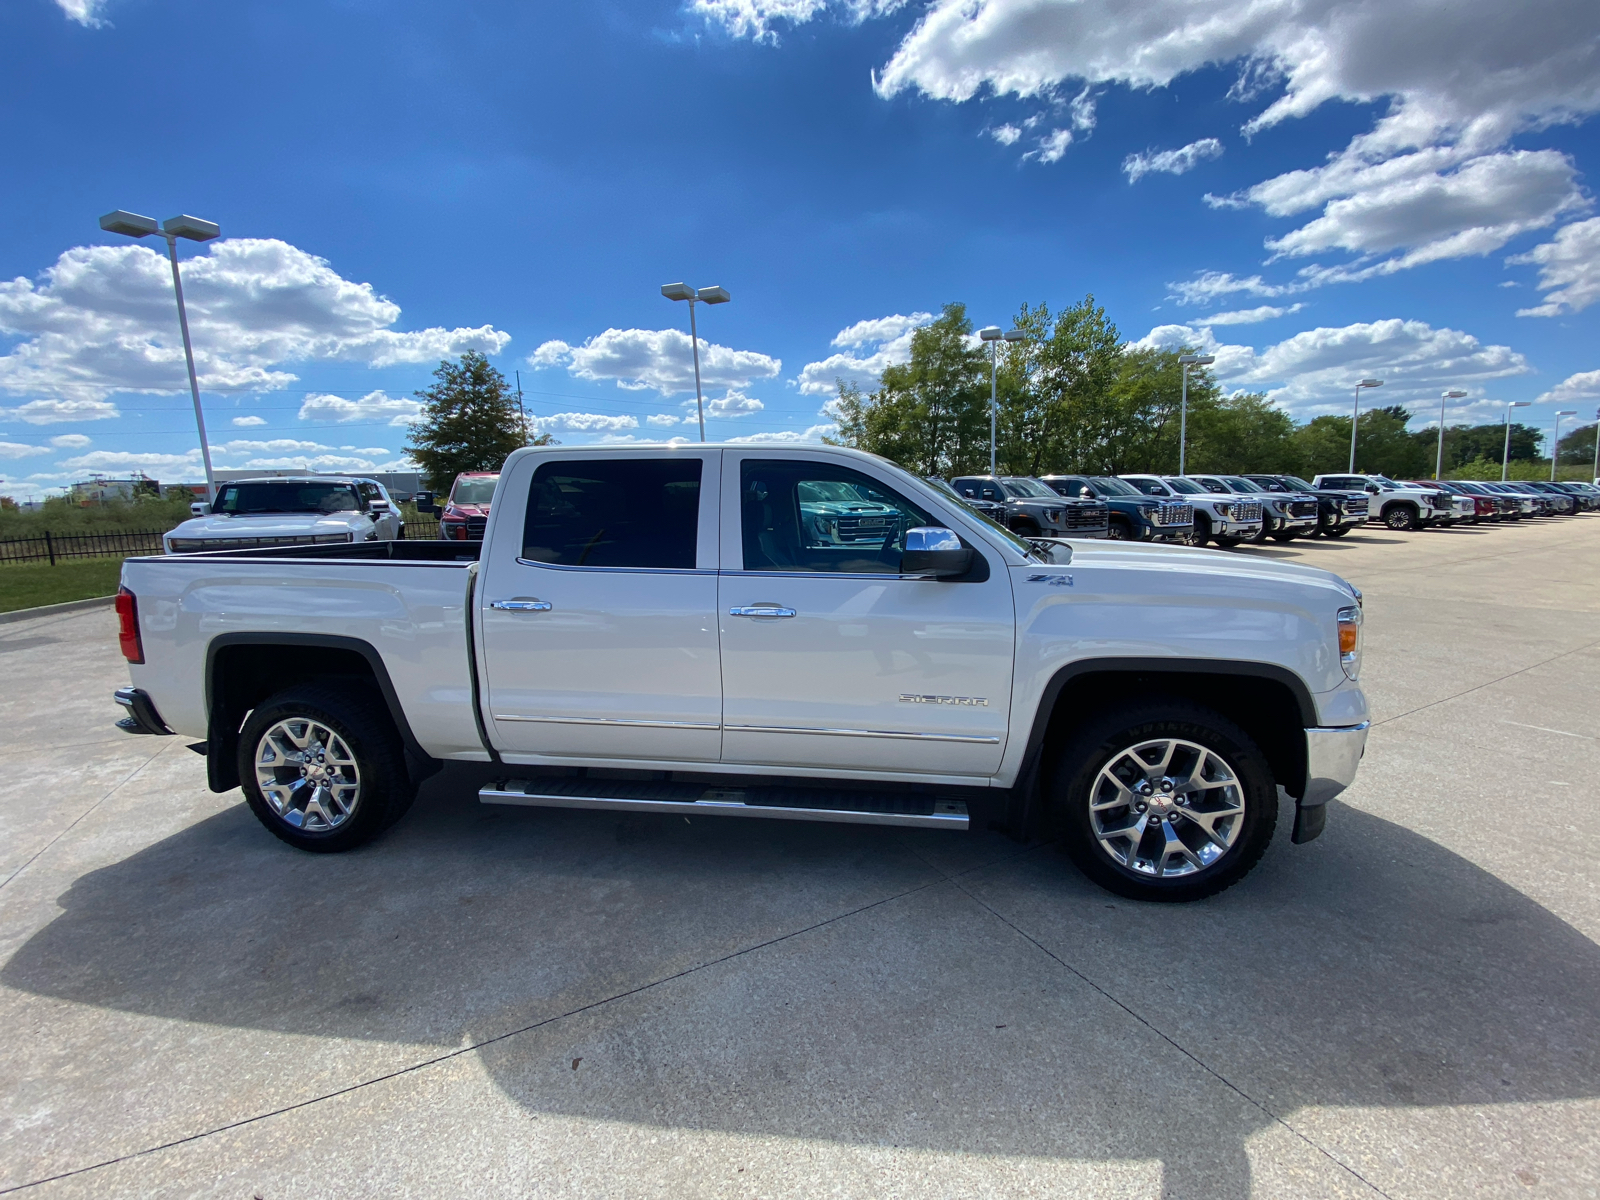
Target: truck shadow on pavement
(860, 986)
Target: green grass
(28, 585)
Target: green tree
(469, 422)
(931, 414)
(1470, 443)
(1384, 446)
(1577, 448)
(1240, 433)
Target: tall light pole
(1597, 443)
(1555, 440)
(993, 336)
(1355, 418)
(1505, 456)
(195, 230)
(1438, 465)
(1188, 360)
(705, 295)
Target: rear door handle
(770, 611)
(522, 604)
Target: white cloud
(1583, 386)
(1569, 272)
(1247, 316)
(124, 462)
(888, 338)
(71, 441)
(754, 19)
(1052, 147)
(1313, 371)
(663, 420)
(102, 320)
(734, 404)
(576, 422)
(248, 422)
(84, 12)
(1170, 162)
(662, 359)
(61, 412)
(1006, 135)
(814, 434)
(1211, 286)
(12, 450)
(371, 409)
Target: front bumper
(1332, 756)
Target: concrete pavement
(502, 1001)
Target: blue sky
(1315, 189)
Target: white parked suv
(1226, 520)
(661, 629)
(1397, 505)
(286, 511)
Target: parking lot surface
(536, 1002)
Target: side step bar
(773, 803)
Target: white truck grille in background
(1246, 510)
(1173, 514)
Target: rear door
(597, 608)
(832, 660)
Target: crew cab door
(596, 608)
(833, 661)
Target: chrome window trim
(966, 738)
(820, 574)
(607, 721)
(532, 562)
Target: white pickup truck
(662, 629)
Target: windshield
(1114, 487)
(1019, 486)
(1150, 487)
(1185, 487)
(1297, 482)
(1241, 485)
(815, 491)
(478, 490)
(1383, 481)
(285, 496)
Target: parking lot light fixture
(1452, 394)
(192, 229)
(1355, 417)
(1505, 457)
(1188, 360)
(1555, 440)
(705, 295)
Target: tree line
(1075, 397)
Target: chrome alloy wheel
(307, 774)
(1166, 807)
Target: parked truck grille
(863, 529)
(1302, 508)
(1356, 506)
(1246, 510)
(1086, 517)
(475, 528)
(1177, 514)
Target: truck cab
(1397, 505)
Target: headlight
(1279, 506)
(1053, 515)
(1223, 509)
(1146, 509)
(1350, 640)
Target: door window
(614, 512)
(806, 516)
(369, 493)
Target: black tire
(1118, 530)
(1400, 517)
(1026, 527)
(1337, 533)
(1100, 742)
(1259, 536)
(1202, 531)
(1284, 537)
(362, 724)
(1227, 543)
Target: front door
(833, 661)
(597, 609)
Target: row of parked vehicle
(1229, 509)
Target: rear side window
(614, 512)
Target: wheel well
(241, 674)
(1267, 709)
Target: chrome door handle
(771, 611)
(522, 605)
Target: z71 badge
(969, 701)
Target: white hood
(275, 525)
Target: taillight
(128, 622)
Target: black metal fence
(53, 547)
(422, 530)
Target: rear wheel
(323, 768)
(1164, 801)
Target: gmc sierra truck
(665, 629)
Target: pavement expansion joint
(1487, 683)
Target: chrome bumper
(1332, 756)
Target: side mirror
(934, 551)
(1372, 489)
(1085, 493)
(378, 507)
(425, 504)
(199, 508)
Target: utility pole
(522, 415)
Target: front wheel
(1164, 801)
(1400, 517)
(1119, 530)
(1201, 533)
(1024, 527)
(1284, 537)
(1339, 532)
(323, 768)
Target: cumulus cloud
(1583, 386)
(577, 422)
(14, 450)
(1247, 316)
(734, 404)
(71, 441)
(662, 359)
(373, 408)
(1211, 286)
(1170, 162)
(1569, 272)
(1006, 135)
(126, 462)
(880, 342)
(1052, 147)
(101, 320)
(84, 12)
(248, 422)
(1313, 371)
(60, 412)
(755, 19)
(814, 434)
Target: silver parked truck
(689, 629)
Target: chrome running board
(772, 803)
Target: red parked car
(466, 512)
(1483, 508)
